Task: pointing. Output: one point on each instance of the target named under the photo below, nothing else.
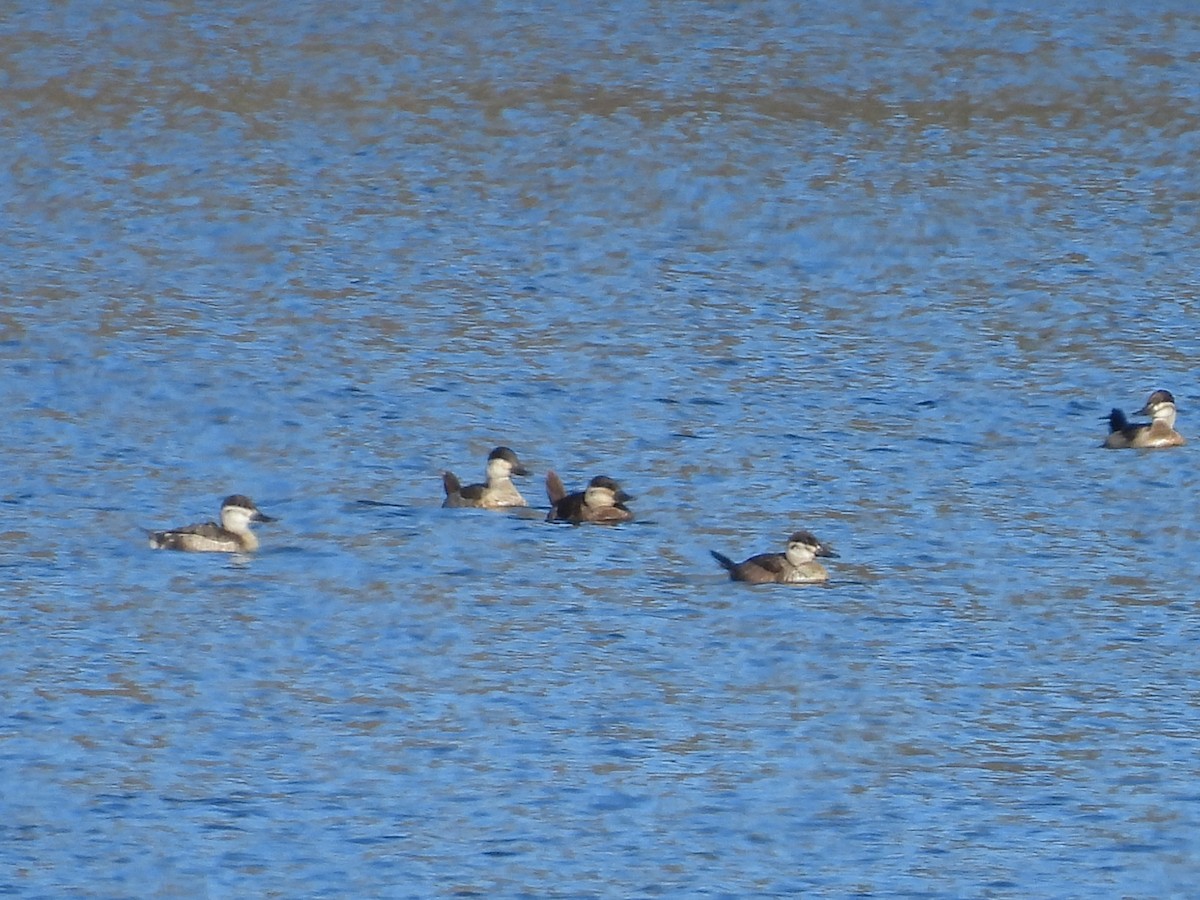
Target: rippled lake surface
(874, 270)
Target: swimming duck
(602, 502)
(497, 493)
(233, 535)
(797, 565)
(1160, 432)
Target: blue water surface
(873, 270)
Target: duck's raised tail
(726, 563)
(554, 487)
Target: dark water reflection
(874, 272)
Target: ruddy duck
(602, 502)
(1160, 432)
(233, 535)
(798, 565)
(499, 491)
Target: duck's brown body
(497, 492)
(603, 502)
(233, 535)
(797, 565)
(1157, 433)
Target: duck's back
(207, 537)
